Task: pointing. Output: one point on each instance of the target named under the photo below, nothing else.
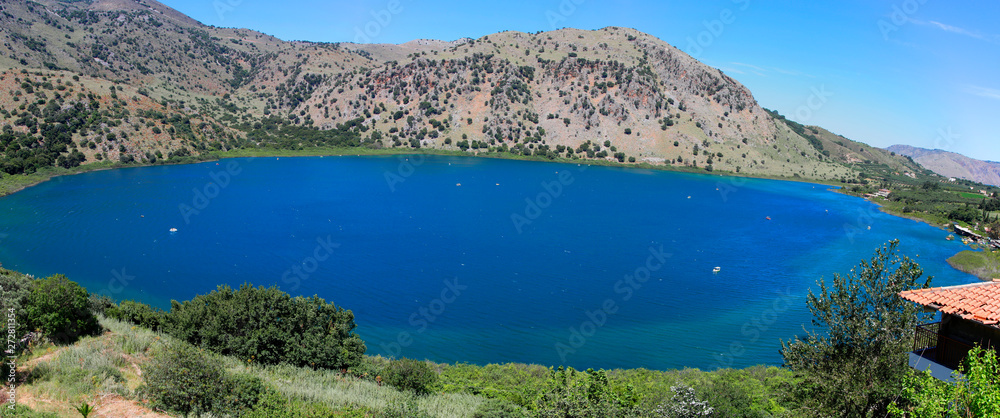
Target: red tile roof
(979, 302)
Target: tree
(184, 379)
(977, 394)
(268, 326)
(994, 231)
(413, 375)
(856, 365)
(60, 308)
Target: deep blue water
(606, 268)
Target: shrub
(495, 408)
(137, 313)
(16, 288)
(412, 375)
(275, 405)
(268, 326)
(60, 308)
(240, 394)
(184, 379)
(975, 391)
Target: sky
(919, 72)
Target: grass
(109, 364)
(984, 264)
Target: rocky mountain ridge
(608, 94)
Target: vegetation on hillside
(144, 84)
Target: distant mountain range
(950, 164)
(134, 80)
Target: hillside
(149, 83)
(950, 164)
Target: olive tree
(855, 360)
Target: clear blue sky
(918, 72)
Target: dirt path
(105, 405)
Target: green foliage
(184, 379)
(856, 365)
(137, 313)
(22, 411)
(965, 214)
(240, 393)
(16, 289)
(266, 325)
(495, 408)
(85, 410)
(590, 394)
(274, 405)
(187, 380)
(975, 392)
(60, 308)
(412, 375)
(753, 392)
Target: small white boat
(717, 269)
(173, 229)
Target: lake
(460, 259)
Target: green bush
(22, 411)
(183, 379)
(495, 408)
(266, 325)
(412, 375)
(16, 289)
(240, 394)
(274, 405)
(99, 304)
(137, 313)
(60, 308)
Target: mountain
(950, 164)
(133, 80)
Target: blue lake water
(522, 262)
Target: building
(970, 315)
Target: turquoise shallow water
(522, 262)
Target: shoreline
(25, 181)
(953, 261)
(21, 182)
